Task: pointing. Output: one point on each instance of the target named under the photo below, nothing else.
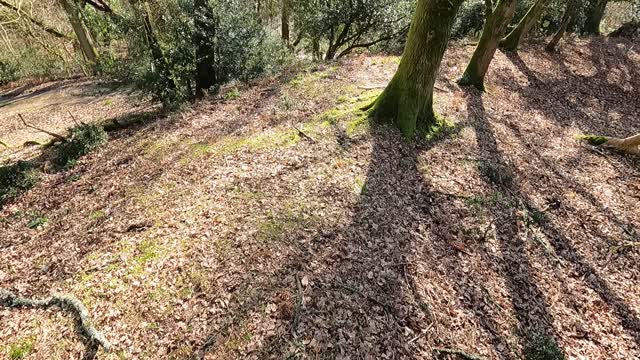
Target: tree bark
(512, 41)
(595, 12)
(80, 31)
(407, 101)
(494, 27)
(285, 23)
(567, 17)
(205, 56)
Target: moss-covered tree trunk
(567, 17)
(408, 99)
(494, 27)
(205, 56)
(81, 33)
(512, 41)
(595, 13)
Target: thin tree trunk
(494, 27)
(595, 12)
(567, 17)
(285, 23)
(80, 31)
(159, 62)
(41, 25)
(512, 41)
(408, 99)
(205, 57)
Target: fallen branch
(457, 352)
(303, 135)
(57, 136)
(92, 338)
(4, 144)
(630, 144)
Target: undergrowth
(17, 178)
(543, 348)
(84, 138)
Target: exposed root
(92, 338)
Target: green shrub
(8, 72)
(84, 138)
(470, 19)
(15, 179)
(543, 348)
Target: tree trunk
(567, 17)
(205, 56)
(285, 23)
(159, 62)
(408, 99)
(595, 12)
(512, 41)
(81, 33)
(494, 27)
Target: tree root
(91, 337)
(457, 352)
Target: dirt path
(221, 233)
(51, 106)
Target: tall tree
(494, 27)
(594, 14)
(568, 16)
(512, 41)
(407, 101)
(205, 56)
(73, 14)
(285, 22)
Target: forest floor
(221, 232)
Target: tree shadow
(589, 102)
(568, 255)
(528, 300)
(351, 288)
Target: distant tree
(594, 14)
(569, 15)
(495, 25)
(284, 22)
(205, 56)
(407, 101)
(513, 39)
(347, 25)
(79, 29)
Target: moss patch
(594, 139)
(21, 349)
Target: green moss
(21, 349)
(97, 215)
(543, 348)
(441, 128)
(594, 139)
(278, 139)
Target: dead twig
(303, 135)
(57, 136)
(73, 118)
(457, 352)
(4, 144)
(92, 338)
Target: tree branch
(40, 24)
(92, 338)
(57, 136)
